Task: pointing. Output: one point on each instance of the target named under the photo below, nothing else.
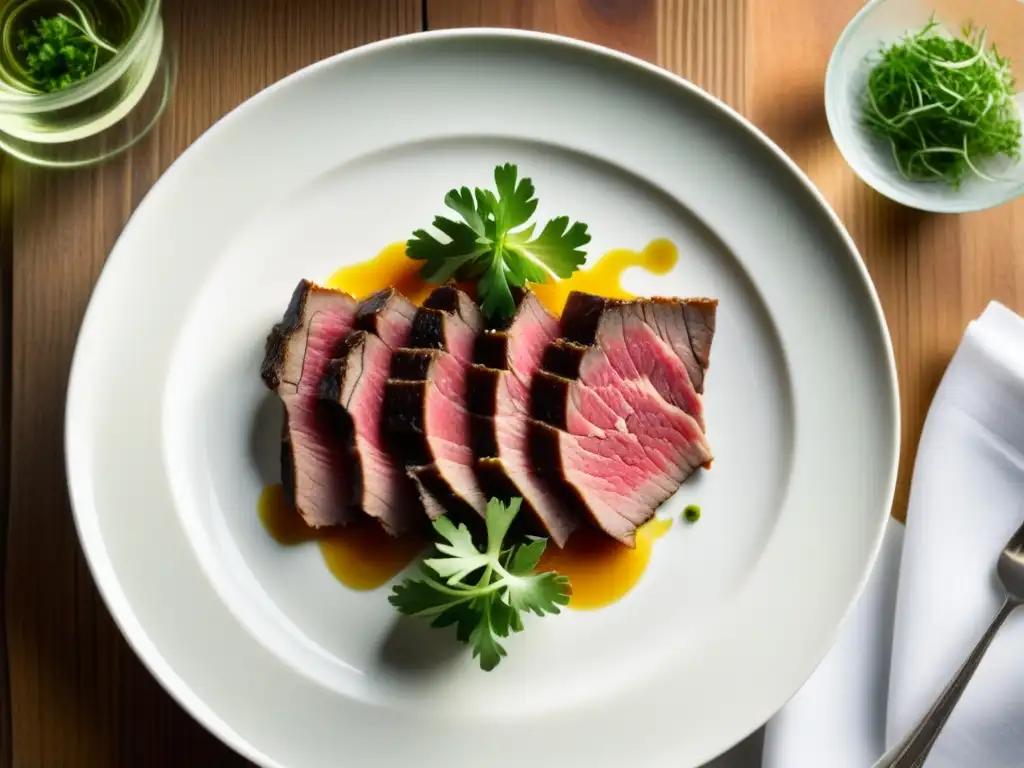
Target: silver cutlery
(914, 749)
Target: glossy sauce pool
(364, 557)
(360, 556)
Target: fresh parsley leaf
(539, 594)
(516, 202)
(496, 300)
(525, 558)
(482, 593)
(494, 242)
(463, 203)
(484, 639)
(498, 520)
(463, 616)
(462, 556)
(558, 246)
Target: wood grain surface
(77, 694)
(73, 694)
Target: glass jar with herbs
(80, 80)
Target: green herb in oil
(59, 51)
(945, 104)
(50, 45)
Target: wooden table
(73, 694)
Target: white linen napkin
(901, 645)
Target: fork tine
(1016, 542)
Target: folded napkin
(908, 634)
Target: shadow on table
(746, 754)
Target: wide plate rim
(97, 559)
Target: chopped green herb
(494, 242)
(482, 593)
(945, 104)
(692, 513)
(59, 51)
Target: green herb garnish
(482, 593)
(494, 244)
(944, 104)
(692, 513)
(59, 51)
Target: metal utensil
(914, 749)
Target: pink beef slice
(685, 325)
(354, 385)
(426, 419)
(499, 397)
(619, 423)
(425, 414)
(314, 466)
(448, 320)
(653, 362)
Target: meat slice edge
(500, 400)
(622, 450)
(314, 469)
(428, 425)
(448, 320)
(618, 423)
(353, 387)
(686, 325)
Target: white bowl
(883, 22)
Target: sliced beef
(686, 325)
(656, 364)
(314, 464)
(448, 320)
(427, 423)
(618, 418)
(353, 386)
(388, 315)
(499, 396)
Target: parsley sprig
(482, 593)
(494, 242)
(59, 51)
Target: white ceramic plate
(170, 434)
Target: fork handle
(914, 749)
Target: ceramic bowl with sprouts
(923, 100)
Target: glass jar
(98, 116)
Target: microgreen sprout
(945, 104)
